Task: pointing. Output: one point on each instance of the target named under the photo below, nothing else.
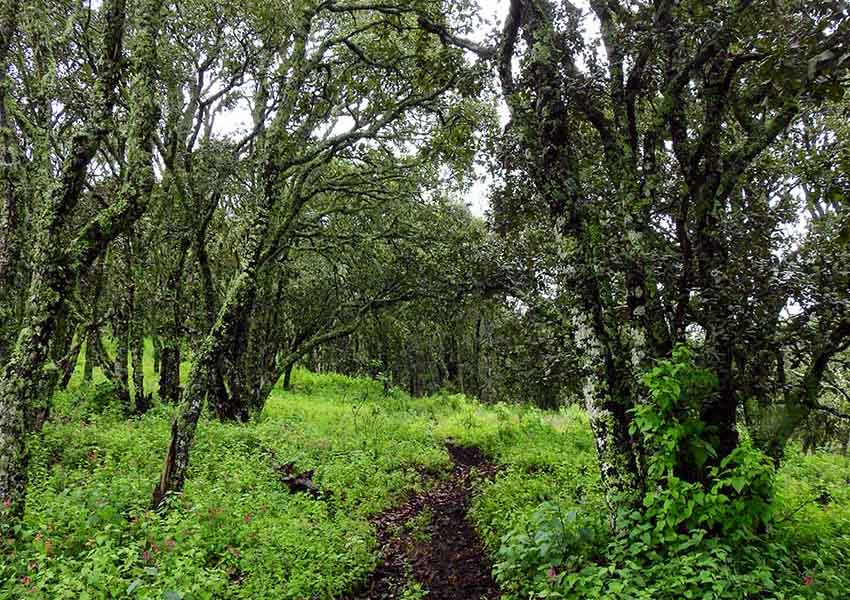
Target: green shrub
(723, 532)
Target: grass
(237, 532)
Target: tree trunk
(487, 387)
(22, 377)
(102, 358)
(169, 362)
(222, 401)
(222, 405)
(69, 363)
(92, 332)
(607, 410)
(92, 341)
(239, 299)
(120, 368)
(169, 372)
(157, 352)
(287, 376)
(137, 353)
(9, 218)
(61, 348)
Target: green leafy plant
(732, 497)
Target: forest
(425, 299)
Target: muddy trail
(428, 539)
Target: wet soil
(428, 539)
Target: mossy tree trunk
(121, 336)
(171, 338)
(239, 298)
(287, 376)
(169, 371)
(92, 329)
(141, 401)
(9, 210)
(58, 265)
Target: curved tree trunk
(240, 297)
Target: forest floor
(442, 553)
(431, 498)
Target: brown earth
(445, 557)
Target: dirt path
(428, 539)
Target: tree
(58, 263)
(648, 157)
(348, 86)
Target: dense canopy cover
(240, 187)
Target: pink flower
(552, 573)
(146, 556)
(26, 580)
(7, 503)
(808, 580)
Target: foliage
(645, 175)
(246, 186)
(562, 550)
(670, 423)
(236, 532)
(724, 534)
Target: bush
(704, 529)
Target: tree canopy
(232, 189)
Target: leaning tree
(63, 115)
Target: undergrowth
(739, 531)
(237, 532)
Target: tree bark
(92, 341)
(240, 297)
(137, 355)
(287, 376)
(157, 352)
(69, 363)
(221, 396)
(121, 335)
(169, 372)
(19, 382)
(8, 198)
(92, 331)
